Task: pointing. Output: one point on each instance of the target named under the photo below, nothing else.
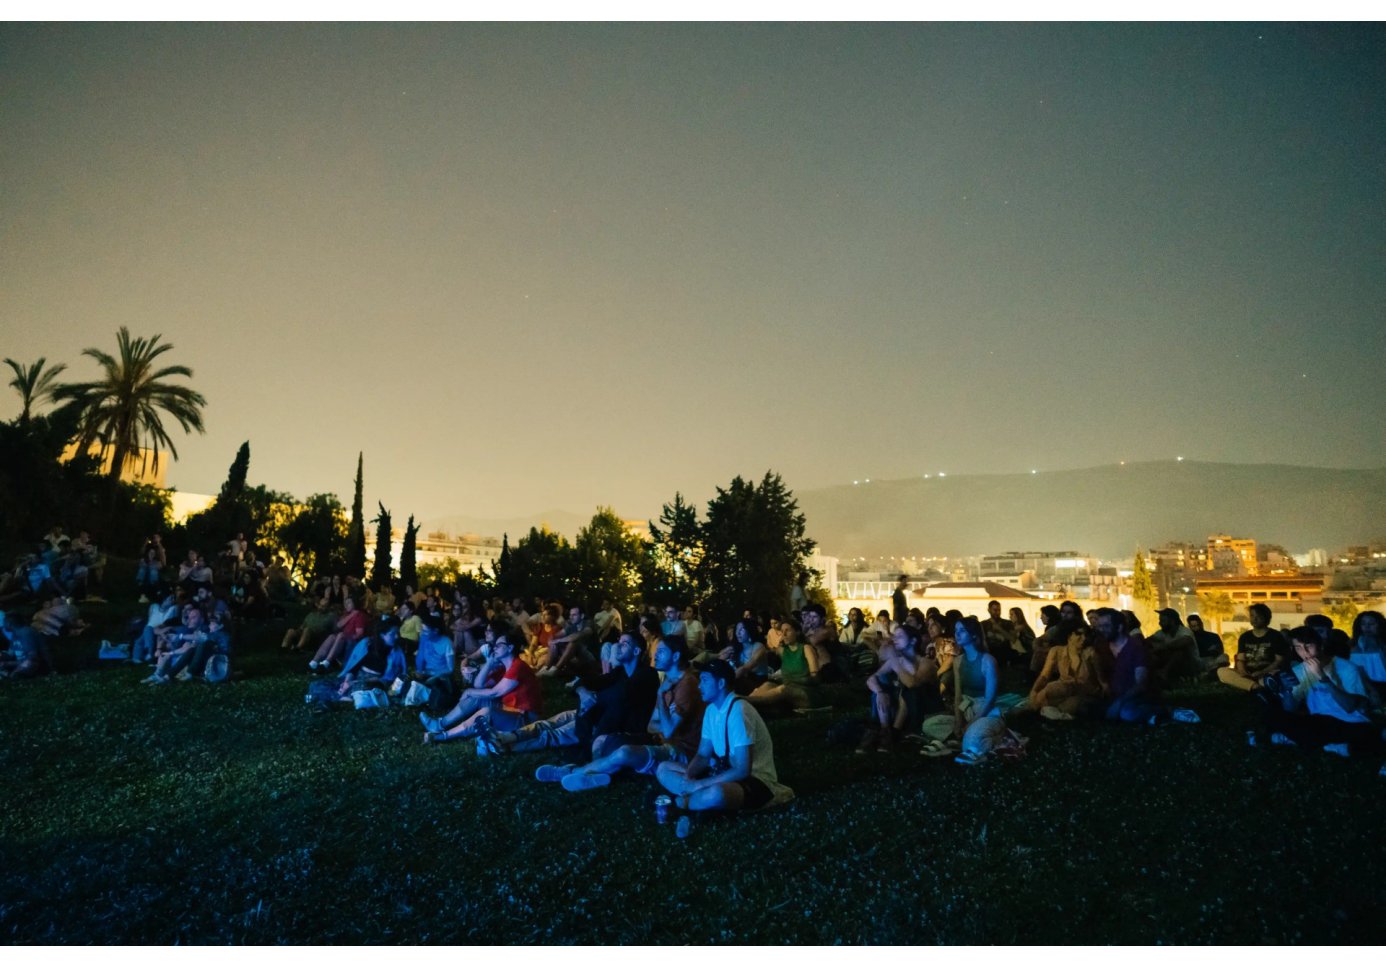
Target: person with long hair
(1071, 684)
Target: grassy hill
(1105, 511)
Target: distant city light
(856, 482)
(868, 480)
(1178, 458)
(1034, 472)
(927, 476)
(941, 474)
(1123, 463)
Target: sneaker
(1182, 715)
(1338, 749)
(1280, 739)
(552, 773)
(313, 664)
(158, 680)
(868, 741)
(967, 759)
(576, 782)
(430, 723)
(1055, 713)
(184, 676)
(144, 599)
(937, 749)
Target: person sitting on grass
(346, 632)
(435, 654)
(160, 614)
(1131, 686)
(320, 622)
(1212, 656)
(1173, 650)
(904, 688)
(788, 685)
(572, 652)
(512, 702)
(176, 646)
(678, 720)
(1328, 707)
(26, 654)
(615, 711)
(1071, 684)
(148, 575)
(734, 768)
(1049, 636)
(1261, 652)
(748, 655)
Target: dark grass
(209, 814)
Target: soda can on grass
(662, 807)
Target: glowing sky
(541, 267)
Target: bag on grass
(370, 699)
(218, 668)
(418, 694)
(397, 688)
(109, 651)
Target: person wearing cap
(734, 768)
(678, 720)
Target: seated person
(1261, 651)
(858, 644)
(25, 653)
(615, 710)
(827, 659)
(678, 722)
(1335, 640)
(149, 575)
(797, 672)
(194, 573)
(904, 688)
(573, 652)
(161, 614)
(279, 583)
(58, 616)
(514, 701)
(1050, 635)
(1329, 705)
(1132, 689)
(435, 656)
(1071, 684)
(734, 768)
(1173, 650)
(1367, 652)
(1211, 654)
(320, 622)
(748, 655)
(177, 646)
(346, 632)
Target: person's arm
(503, 688)
(701, 763)
(990, 677)
(1138, 681)
(1348, 701)
(1042, 680)
(668, 714)
(739, 769)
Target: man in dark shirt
(1002, 639)
(1261, 651)
(1211, 654)
(624, 700)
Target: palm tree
(122, 409)
(34, 384)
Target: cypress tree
(408, 568)
(381, 573)
(356, 530)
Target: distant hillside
(562, 522)
(1104, 511)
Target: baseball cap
(720, 668)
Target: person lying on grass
(678, 721)
(1071, 683)
(511, 703)
(734, 768)
(1329, 706)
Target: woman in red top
(350, 628)
(511, 703)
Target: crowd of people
(672, 695)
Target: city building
(1033, 569)
(472, 552)
(1299, 594)
(1232, 556)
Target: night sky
(534, 267)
